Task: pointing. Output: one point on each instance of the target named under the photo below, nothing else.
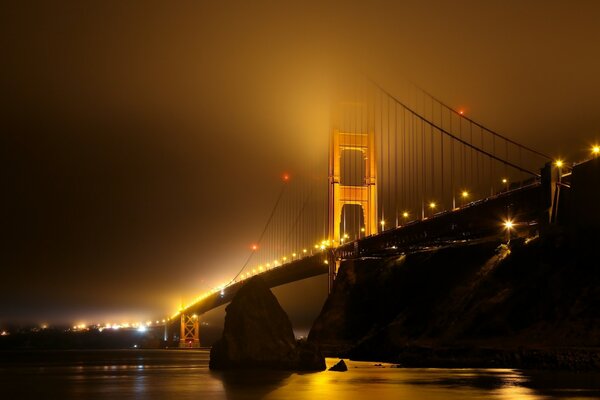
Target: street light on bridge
(464, 195)
(509, 225)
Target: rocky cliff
(533, 303)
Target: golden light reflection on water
(184, 375)
(385, 381)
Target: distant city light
(559, 163)
(405, 214)
(432, 205)
(509, 224)
(142, 329)
(464, 194)
(504, 180)
(596, 150)
(362, 229)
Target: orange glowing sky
(143, 143)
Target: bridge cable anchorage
(463, 142)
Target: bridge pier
(190, 331)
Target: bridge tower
(342, 192)
(190, 331)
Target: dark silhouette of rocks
(339, 367)
(258, 334)
(533, 304)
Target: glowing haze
(143, 144)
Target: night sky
(142, 143)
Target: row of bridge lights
(275, 263)
(260, 269)
(595, 152)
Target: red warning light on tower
(254, 247)
(286, 177)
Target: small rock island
(258, 334)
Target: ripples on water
(181, 375)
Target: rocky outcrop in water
(340, 366)
(258, 334)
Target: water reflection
(252, 384)
(185, 375)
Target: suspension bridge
(403, 174)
